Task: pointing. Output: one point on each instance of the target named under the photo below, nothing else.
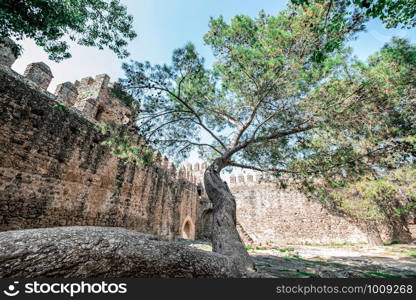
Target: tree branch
(152, 132)
(193, 143)
(190, 108)
(254, 168)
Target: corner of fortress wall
(55, 172)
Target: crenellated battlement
(234, 179)
(92, 97)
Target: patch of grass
(383, 274)
(284, 249)
(61, 107)
(336, 265)
(392, 243)
(315, 262)
(299, 258)
(411, 253)
(365, 276)
(249, 248)
(330, 245)
(318, 262)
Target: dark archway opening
(186, 232)
(99, 113)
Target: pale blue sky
(163, 25)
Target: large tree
(98, 23)
(283, 97)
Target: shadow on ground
(331, 261)
(294, 266)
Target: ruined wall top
(39, 73)
(92, 97)
(234, 179)
(89, 97)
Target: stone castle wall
(290, 218)
(55, 172)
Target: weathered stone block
(66, 93)
(39, 73)
(240, 178)
(232, 179)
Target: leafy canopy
(97, 23)
(284, 96)
(377, 129)
(393, 13)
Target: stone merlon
(66, 93)
(39, 73)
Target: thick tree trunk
(373, 235)
(225, 237)
(85, 252)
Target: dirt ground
(343, 261)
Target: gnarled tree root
(81, 252)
